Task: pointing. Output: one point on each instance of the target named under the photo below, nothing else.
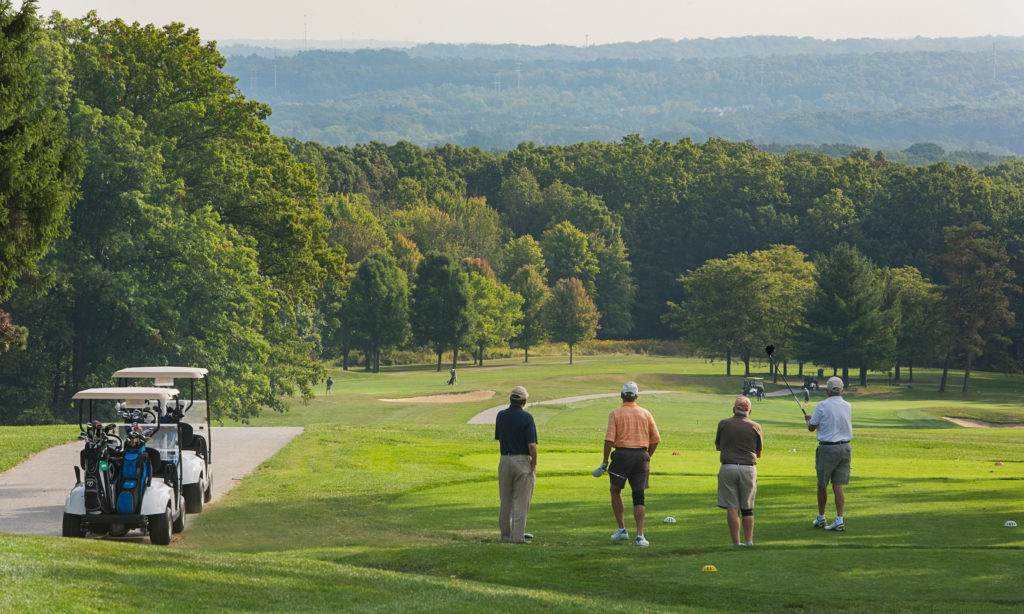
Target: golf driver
(603, 470)
(771, 350)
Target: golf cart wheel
(208, 493)
(193, 498)
(160, 528)
(72, 526)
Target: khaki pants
(515, 485)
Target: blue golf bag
(136, 473)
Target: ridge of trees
(198, 237)
(885, 96)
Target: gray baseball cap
(834, 383)
(630, 388)
(519, 394)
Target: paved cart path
(488, 416)
(32, 494)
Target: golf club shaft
(776, 370)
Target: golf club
(597, 474)
(770, 350)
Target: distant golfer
(634, 435)
(517, 470)
(330, 384)
(739, 441)
(453, 378)
(832, 419)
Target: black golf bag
(136, 473)
(100, 472)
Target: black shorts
(632, 464)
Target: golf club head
(769, 350)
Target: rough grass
(381, 506)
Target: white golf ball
(1010, 523)
(670, 519)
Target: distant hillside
(961, 94)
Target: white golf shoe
(837, 525)
(642, 541)
(620, 535)
(820, 522)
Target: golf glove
(600, 470)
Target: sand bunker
(981, 424)
(451, 397)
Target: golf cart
(132, 469)
(193, 427)
(810, 383)
(753, 387)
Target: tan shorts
(737, 485)
(832, 464)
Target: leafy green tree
(529, 284)
(568, 255)
(440, 305)
(214, 141)
(913, 301)
(519, 252)
(570, 315)
(518, 200)
(39, 165)
(737, 305)
(406, 253)
(846, 323)
(975, 298)
(614, 287)
(495, 313)
(378, 303)
(354, 226)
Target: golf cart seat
(185, 435)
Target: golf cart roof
(163, 376)
(137, 394)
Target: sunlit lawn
(385, 506)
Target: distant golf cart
(810, 383)
(193, 427)
(132, 469)
(753, 387)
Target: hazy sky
(571, 22)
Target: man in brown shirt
(739, 441)
(634, 435)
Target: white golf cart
(132, 469)
(193, 427)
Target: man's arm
(810, 427)
(533, 457)
(607, 451)
(651, 448)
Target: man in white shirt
(832, 419)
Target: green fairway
(393, 507)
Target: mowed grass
(393, 507)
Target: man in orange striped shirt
(634, 435)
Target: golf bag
(100, 476)
(136, 472)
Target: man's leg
(617, 508)
(837, 489)
(639, 511)
(506, 492)
(822, 499)
(732, 516)
(748, 528)
(523, 491)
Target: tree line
(158, 220)
(882, 96)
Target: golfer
(634, 435)
(832, 419)
(517, 470)
(739, 441)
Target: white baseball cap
(834, 383)
(630, 388)
(519, 394)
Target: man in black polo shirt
(517, 470)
